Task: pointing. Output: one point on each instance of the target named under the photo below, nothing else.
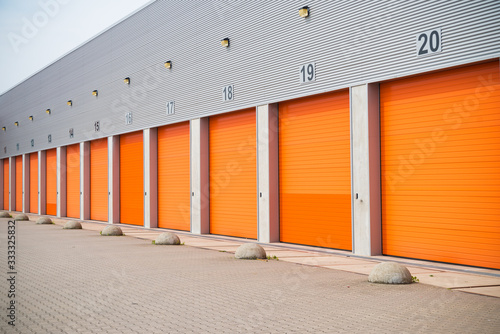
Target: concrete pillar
(12, 183)
(199, 176)
(114, 179)
(267, 169)
(85, 180)
(366, 207)
(151, 178)
(42, 182)
(61, 181)
(1, 185)
(26, 183)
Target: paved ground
(76, 281)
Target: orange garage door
(51, 182)
(441, 166)
(173, 177)
(6, 184)
(314, 168)
(131, 179)
(19, 183)
(233, 180)
(34, 182)
(99, 179)
(73, 181)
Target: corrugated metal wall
(351, 42)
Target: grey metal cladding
(351, 42)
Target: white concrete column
(366, 207)
(85, 180)
(267, 169)
(42, 182)
(26, 183)
(1, 185)
(12, 183)
(114, 179)
(199, 176)
(151, 178)
(61, 181)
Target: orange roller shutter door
(233, 174)
(73, 181)
(314, 171)
(34, 182)
(19, 183)
(6, 184)
(174, 199)
(440, 150)
(132, 178)
(99, 179)
(51, 182)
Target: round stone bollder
(44, 220)
(21, 216)
(111, 230)
(167, 238)
(5, 214)
(250, 252)
(390, 273)
(72, 225)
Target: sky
(35, 33)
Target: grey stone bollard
(250, 252)
(44, 220)
(21, 216)
(390, 273)
(5, 214)
(111, 230)
(167, 238)
(72, 225)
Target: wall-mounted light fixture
(304, 11)
(30, 118)
(225, 42)
(168, 64)
(69, 103)
(94, 92)
(16, 123)
(47, 111)
(4, 128)
(127, 80)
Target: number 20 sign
(429, 42)
(307, 73)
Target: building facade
(372, 127)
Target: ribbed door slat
(19, 183)
(314, 171)
(132, 178)
(99, 179)
(51, 182)
(73, 181)
(233, 174)
(440, 151)
(33, 182)
(6, 184)
(174, 197)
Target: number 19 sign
(308, 73)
